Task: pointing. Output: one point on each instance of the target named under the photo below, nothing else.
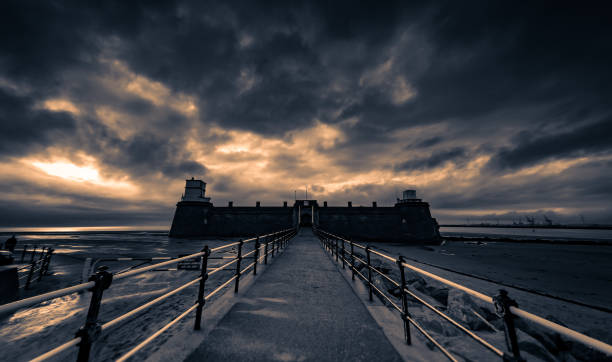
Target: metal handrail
(184, 314)
(279, 239)
(156, 334)
(437, 311)
(513, 310)
(135, 311)
(411, 320)
(9, 307)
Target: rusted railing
(102, 280)
(505, 307)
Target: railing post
(42, 253)
(41, 268)
(343, 257)
(400, 264)
(367, 250)
(273, 246)
(266, 251)
(23, 253)
(502, 306)
(48, 260)
(30, 273)
(203, 278)
(256, 254)
(238, 266)
(91, 330)
(352, 260)
(336, 249)
(33, 253)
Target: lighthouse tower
(195, 190)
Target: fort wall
(193, 219)
(399, 223)
(409, 220)
(249, 221)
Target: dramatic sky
(491, 111)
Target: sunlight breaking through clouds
(69, 171)
(61, 105)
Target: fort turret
(195, 190)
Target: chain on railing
(100, 281)
(505, 307)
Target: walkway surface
(300, 309)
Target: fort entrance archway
(306, 219)
(306, 213)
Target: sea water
(528, 233)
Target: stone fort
(409, 220)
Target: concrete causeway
(300, 309)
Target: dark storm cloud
(19, 214)
(83, 210)
(584, 140)
(582, 186)
(180, 169)
(144, 154)
(428, 142)
(439, 158)
(25, 129)
(491, 56)
(485, 56)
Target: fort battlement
(407, 221)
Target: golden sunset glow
(69, 171)
(73, 173)
(61, 105)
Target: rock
(395, 291)
(461, 307)
(439, 294)
(584, 353)
(415, 278)
(535, 349)
(434, 324)
(417, 284)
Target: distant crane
(547, 220)
(530, 220)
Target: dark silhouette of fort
(408, 220)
